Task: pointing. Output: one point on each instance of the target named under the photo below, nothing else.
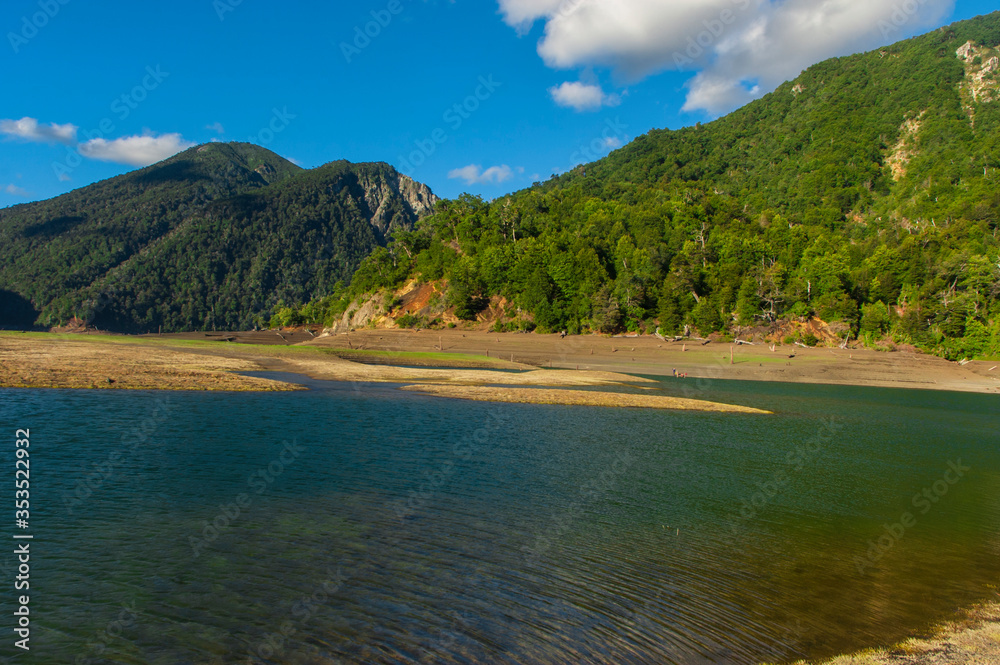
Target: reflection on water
(366, 524)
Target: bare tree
(769, 287)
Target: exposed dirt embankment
(425, 304)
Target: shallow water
(396, 527)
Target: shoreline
(576, 398)
(421, 365)
(646, 355)
(972, 639)
(120, 363)
(208, 361)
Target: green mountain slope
(864, 192)
(215, 236)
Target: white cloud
(739, 49)
(612, 142)
(473, 174)
(16, 191)
(522, 13)
(135, 150)
(582, 96)
(216, 127)
(28, 129)
(715, 93)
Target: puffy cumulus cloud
(135, 150)
(739, 49)
(29, 129)
(582, 96)
(717, 94)
(473, 174)
(785, 39)
(16, 191)
(522, 13)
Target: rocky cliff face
(982, 67)
(381, 193)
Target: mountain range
(213, 237)
(864, 194)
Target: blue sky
(481, 96)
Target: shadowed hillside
(215, 236)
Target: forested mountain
(214, 237)
(865, 192)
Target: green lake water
(360, 523)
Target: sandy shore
(973, 640)
(651, 356)
(576, 398)
(212, 361)
(106, 362)
(42, 360)
(507, 368)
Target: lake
(360, 523)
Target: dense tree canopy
(864, 192)
(215, 237)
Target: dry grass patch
(34, 361)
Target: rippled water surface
(366, 524)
